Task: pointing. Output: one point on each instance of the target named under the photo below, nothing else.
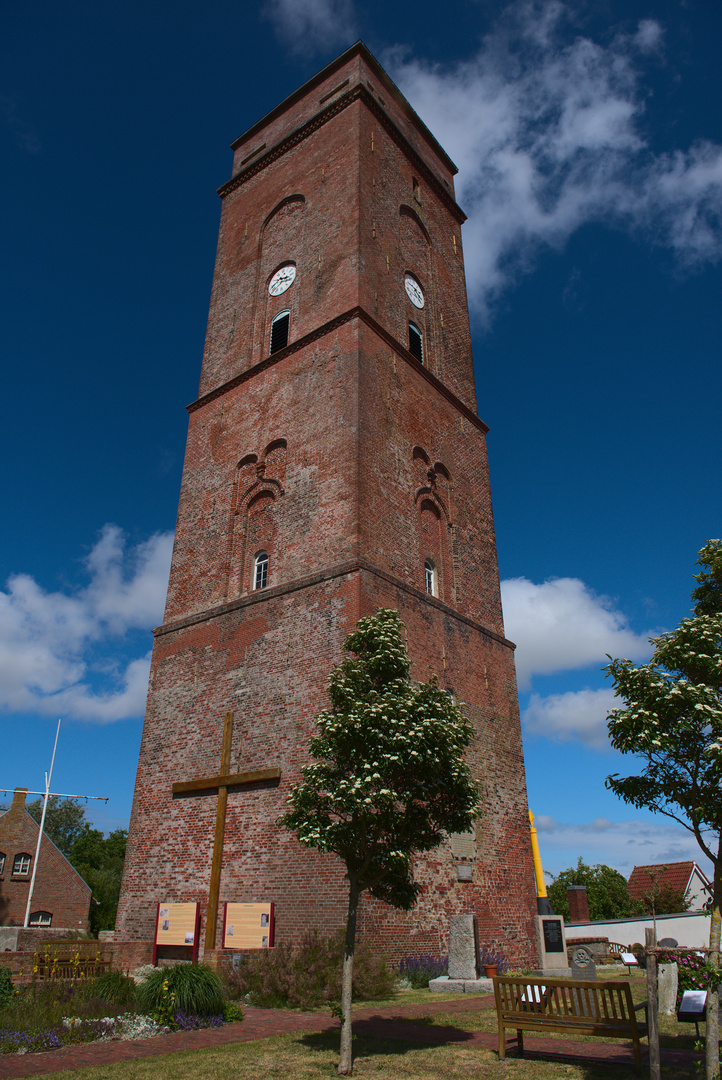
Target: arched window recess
(260, 570)
(416, 344)
(279, 331)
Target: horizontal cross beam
(212, 783)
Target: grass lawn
(314, 1056)
(309, 1056)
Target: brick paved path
(392, 1022)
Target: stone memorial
(667, 981)
(464, 968)
(583, 966)
(552, 946)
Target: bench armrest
(642, 1005)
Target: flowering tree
(389, 778)
(672, 719)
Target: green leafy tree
(97, 858)
(99, 861)
(389, 778)
(64, 820)
(607, 893)
(672, 720)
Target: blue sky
(589, 142)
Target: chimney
(578, 906)
(18, 803)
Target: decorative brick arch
(259, 483)
(280, 240)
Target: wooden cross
(211, 785)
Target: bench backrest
(559, 998)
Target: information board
(178, 924)
(248, 926)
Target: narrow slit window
(416, 347)
(430, 577)
(260, 570)
(279, 331)
(2, 862)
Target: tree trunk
(712, 1041)
(345, 1064)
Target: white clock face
(413, 291)
(283, 279)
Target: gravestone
(464, 947)
(583, 966)
(464, 969)
(667, 981)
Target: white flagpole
(48, 778)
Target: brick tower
(335, 464)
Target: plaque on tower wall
(177, 925)
(248, 926)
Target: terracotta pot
(490, 970)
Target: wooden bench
(567, 1008)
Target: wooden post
(217, 863)
(652, 1019)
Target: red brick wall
(578, 905)
(361, 463)
(59, 889)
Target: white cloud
(310, 26)
(548, 133)
(562, 625)
(53, 645)
(580, 714)
(621, 844)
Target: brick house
(679, 875)
(60, 897)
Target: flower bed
(59, 1012)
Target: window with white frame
(2, 862)
(21, 864)
(430, 577)
(40, 918)
(260, 570)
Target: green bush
(6, 986)
(193, 988)
(115, 988)
(309, 976)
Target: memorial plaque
(248, 926)
(553, 937)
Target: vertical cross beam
(217, 862)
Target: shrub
(6, 986)
(309, 976)
(419, 970)
(192, 988)
(114, 988)
(695, 971)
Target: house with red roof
(60, 898)
(685, 876)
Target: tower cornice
(342, 570)
(356, 93)
(322, 331)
